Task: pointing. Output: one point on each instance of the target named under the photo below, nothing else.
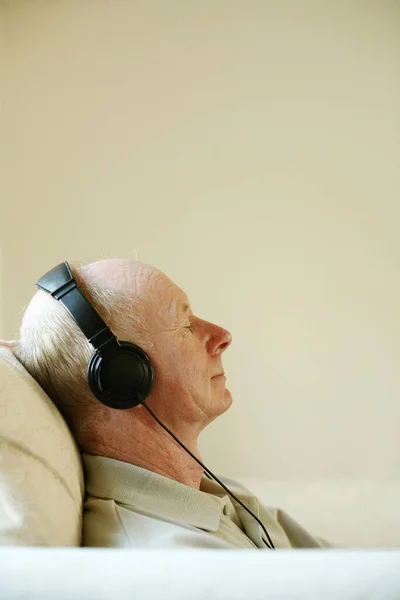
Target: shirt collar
(149, 492)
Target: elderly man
(142, 487)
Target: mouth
(217, 376)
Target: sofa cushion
(41, 473)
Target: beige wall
(251, 151)
(3, 154)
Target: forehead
(140, 279)
(165, 295)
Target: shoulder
(108, 524)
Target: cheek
(181, 362)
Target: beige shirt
(127, 505)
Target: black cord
(212, 474)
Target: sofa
(41, 497)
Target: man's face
(187, 356)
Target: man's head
(140, 305)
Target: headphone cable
(212, 475)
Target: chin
(217, 402)
(225, 401)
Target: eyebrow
(178, 308)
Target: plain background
(250, 150)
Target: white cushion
(198, 574)
(41, 473)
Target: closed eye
(188, 325)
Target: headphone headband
(61, 284)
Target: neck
(143, 442)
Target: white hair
(56, 353)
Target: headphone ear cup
(122, 378)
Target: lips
(219, 375)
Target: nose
(219, 340)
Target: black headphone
(120, 374)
